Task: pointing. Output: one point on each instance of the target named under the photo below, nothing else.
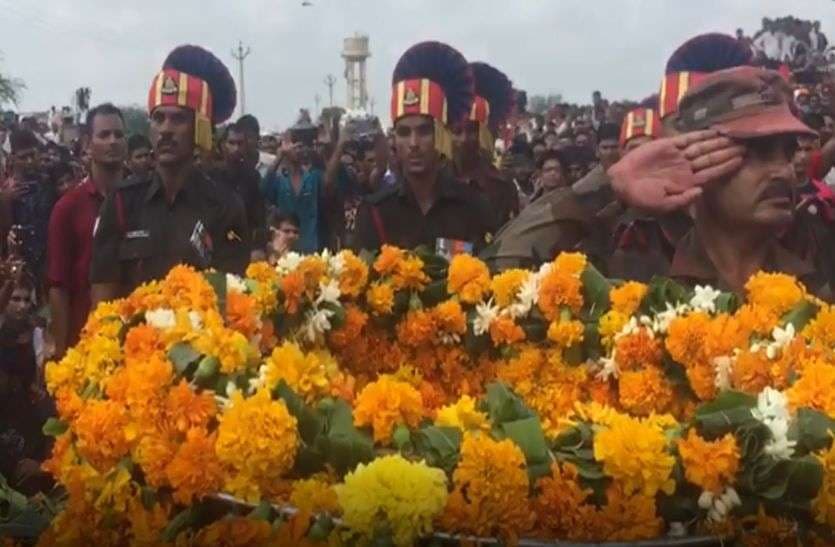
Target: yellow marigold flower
(611, 323)
(644, 391)
(815, 388)
(195, 471)
(103, 433)
(354, 275)
(231, 348)
(571, 263)
(312, 269)
(242, 314)
(506, 285)
(394, 493)
(504, 330)
(145, 297)
(410, 274)
(351, 329)
(777, 292)
(380, 298)
(559, 290)
(388, 260)
(686, 338)
(634, 453)
(561, 508)
(468, 278)
(821, 329)
(257, 439)
(266, 289)
(566, 333)
(638, 350)
(386, 403)
(490, 495)
(307, 374)
(627, 517)
(626, 298)
(234, 532)
(417, 328)
(824, 504)
(710, 465)
(450, 318)
(314, 496)
(153, 454)
(463, 415)
(184, 287)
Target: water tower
(355, 52)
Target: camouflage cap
(742, 102)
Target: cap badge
(169, 86)
(411, 98)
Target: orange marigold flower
(821, 329)
(312, 269)
(450, 318)
(777, 292)
(235, 532)
(571, 263)
(195, 470)
(824, 504)
(242, 314)
(645, 391)
(506, 285)
(468, 278)
(763, 530)
(815, 388)
(686, 337)
(187, 409)
(750, 372)
(153, 454)
(561, 508)
(557, 290)
(141, 341)
(69, 404)
(504, 330)
(566, 333)
(710, 465)
(757, 319)
(292, 288)
(410, 275)
(103, 433)
(385, 404)
(490, 495)
(626, 298)
(351, 329)
(627, 517)
(354, 275)
(702, 377)
(388, 260)
(637, 350)
(417, 328)
(380, 298)
(184, 287)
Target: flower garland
(390, 397)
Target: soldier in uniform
(433, 90)
(664, 176)
(474, 141)
(175, 214)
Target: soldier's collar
(155, 188)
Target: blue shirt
(278, 191)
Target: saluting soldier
(176, 214)
(474, 141)
(433, 90)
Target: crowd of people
(727, 171)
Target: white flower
(195, 320)
(773, 411)
(609, 368)
(677, 530)
(161, 318)
(528, 297)
(288, 263)
(706, 499)
(782, 338)
(336, 265)
(704, 299)
(318, 323)
(723, 365)
(718, 507)
(329, 292)
(486, 313)
(235, 283)
(664, 318)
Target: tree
(136, 120)
(10, 89)
(540, 104)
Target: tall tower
(355, 52)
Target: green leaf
(726, 303)
(660, 292)
(321, 528)
(434, 293)
(207, 370)
(726, 401)
(528, 435)
(262, 512)
(310, 423)
(813, 430)
(218, 282)
(182, 521)
(800, 314)
(182, 354)
(726, 413)
(439, 446)
(595, 291)
(346, 446)
(503, 405)
(804, 478)
(20, 517)
(53, 427)
(401, 437)
(535, 330)
(338, 318)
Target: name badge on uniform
(201, 241)
(448, 248)
(137, 234)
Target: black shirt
(247, 183)
(459, 213)
(140, 236)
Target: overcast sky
(545, 46)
